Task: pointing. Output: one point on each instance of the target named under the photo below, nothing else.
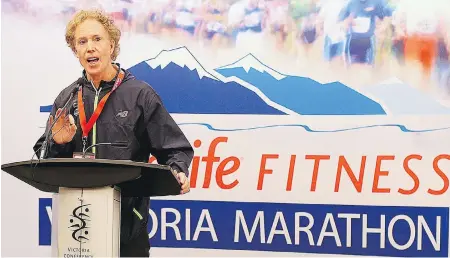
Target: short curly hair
(100, 16)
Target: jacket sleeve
(168, 143)
(54, 150)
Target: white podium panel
(86, 222)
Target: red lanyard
(87, 127)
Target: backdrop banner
(298, 152)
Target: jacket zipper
(94, 129)
(137, 214)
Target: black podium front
(86, 207)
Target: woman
(147, 127)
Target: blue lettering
(301, 228)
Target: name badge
(87, 155)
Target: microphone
(45, 143)
(112, 144)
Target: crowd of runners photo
(406, 39)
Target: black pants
(138, 247)
(361, 50)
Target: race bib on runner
(215, 26)
(361, 25)
(185, 19)
(426, 27)
(253, 19)
(169, 17)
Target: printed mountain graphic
(248, 86)
(186, 87)
(299, 94)
(412, 102)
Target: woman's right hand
(64, 129)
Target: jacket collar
(103, 84)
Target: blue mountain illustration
(186, 87)
(302, 95)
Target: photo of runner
(358, 42)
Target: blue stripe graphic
(308, 129)
(291, 227)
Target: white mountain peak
(181, 57)
(249, 61)
(393, 80)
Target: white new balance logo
(122, 114)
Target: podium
(87, 196)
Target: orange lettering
(357, 183)
(263, 170)
(210, 159)
(317, 159)
(221, 172)
(195, 166)
(291, 173)
(379, 172)
(411, 174)
(441, 174)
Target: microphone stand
(45, 143)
